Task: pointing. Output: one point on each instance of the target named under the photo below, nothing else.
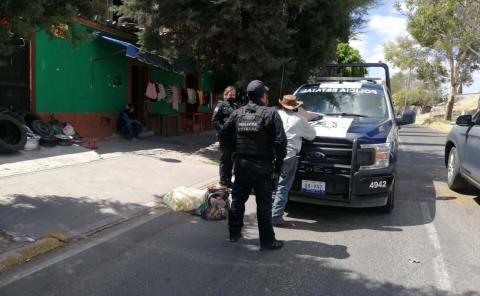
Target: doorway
(138, 84)
(15, 80)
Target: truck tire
(14, 115)
(455, 180)
(42, 128)
(12, 135)
(29, 117)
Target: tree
(245, 39)
(420, 63)
(415, 96)
(349, 55)
(444, 27)
(418, 94)
(20, 18)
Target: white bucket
(31, 144)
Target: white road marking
(77, 250)
(439, 267)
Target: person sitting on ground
(128, 125)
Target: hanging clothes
(201, 97)
(168, 94)
(151, 91)
(192, 96)
(161, 92)
(176, 98)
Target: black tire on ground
(15, 116)
(12, 135)
(455, 180)
(42, 128)
(48, 141)
(29, 117)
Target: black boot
(235, 237)
(276, 244)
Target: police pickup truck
(351, 162)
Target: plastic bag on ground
(184, 199)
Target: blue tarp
(134, 52)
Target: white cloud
(388, 27)
(380, 29)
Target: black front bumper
(337, 162)
(369, 188)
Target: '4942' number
(378, 184)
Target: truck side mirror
(408, 117)
(464, 120)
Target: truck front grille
(328, 160)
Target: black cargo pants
(226, 166)
(252, 174)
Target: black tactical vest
(252, 138)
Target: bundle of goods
(216, 203)
(183, 199)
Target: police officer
(222, 112)
(257, 133)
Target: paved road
(429, 245)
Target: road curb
(56, 240)
(26, 253)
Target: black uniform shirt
(222, 112)
(274, 129)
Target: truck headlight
(381, 156)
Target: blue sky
(385, 24)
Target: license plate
(313, 187)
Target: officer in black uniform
(257, 133)
(222, 112)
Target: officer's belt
(265, 158)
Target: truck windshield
(339, 100)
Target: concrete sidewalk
(126, 180)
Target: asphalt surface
(429, 245)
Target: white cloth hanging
(176, 97)
(191, 96)
(161, 92)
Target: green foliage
(407, 55)
(398, 81)
(245, 39)
(416, 96)
(419, 93)
(23, 17)
(349, 55)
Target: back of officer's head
(256, 90)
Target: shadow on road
(37, 216)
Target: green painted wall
(167, 78)
(206, 81)
(64, 76)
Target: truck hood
(365, 130)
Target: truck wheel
(455, 181)
(12, 135)
(42, 128)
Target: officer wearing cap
(222, 112)
(257, 135)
